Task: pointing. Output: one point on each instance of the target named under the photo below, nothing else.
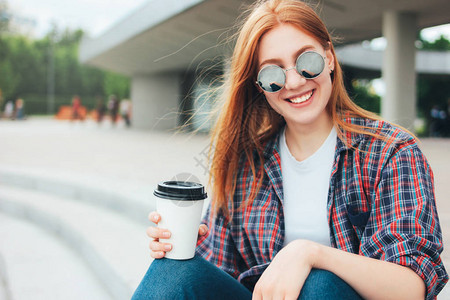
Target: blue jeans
(199, 279)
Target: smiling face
(302, 102)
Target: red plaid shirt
(381, 204)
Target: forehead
(284, 40)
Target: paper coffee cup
(180, 204)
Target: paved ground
(109, 152)
(145, 158)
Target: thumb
(203, 230)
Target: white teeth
(302, 98)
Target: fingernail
(166, 234)
(167, 247)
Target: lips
(301, 98)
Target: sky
(97, 16)
(93, 16)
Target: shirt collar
(352, 140)
(272, 164)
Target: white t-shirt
(305, 189)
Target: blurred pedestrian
(76, 108)
(113, 107)
(101, 109)
(9, 110)
(125, 111)
(438, 118)
(19, 113)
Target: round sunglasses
(272, 78)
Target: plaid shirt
(380, 204)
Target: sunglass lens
(310, 64)
(271, 79)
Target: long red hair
(246, 121)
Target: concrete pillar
(156, 101)
(399, 76)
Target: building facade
(175, 50)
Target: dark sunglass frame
(274, 88)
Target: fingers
(157, 255)
(157, 246)
(202, 230)
(158, 233)
(154, 217)
(158, 249)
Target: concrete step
(113, 246)
(37, 265)
(129, 199)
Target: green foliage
(440, 44)
(116, 84)
(432, 91)
(8, 79)
(25, 66)
(365, 96)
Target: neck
(304, 140)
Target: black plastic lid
(180, 190)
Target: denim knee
(322, 284)
(167, 279)
(188, 279)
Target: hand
(286, 274)
(158, 250)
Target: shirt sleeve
(217, 245)
(404, 226)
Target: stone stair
(102, 222)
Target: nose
(293, 79)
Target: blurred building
(166, 46)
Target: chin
(305, 118)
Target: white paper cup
(180, 204)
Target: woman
(314, 198)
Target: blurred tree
(25, 60)
(365, 96)
(116, 84)
(9, 80)
(25, 65)
(440, 44)
(6, 82)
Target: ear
(258, 87)
(330, 59)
